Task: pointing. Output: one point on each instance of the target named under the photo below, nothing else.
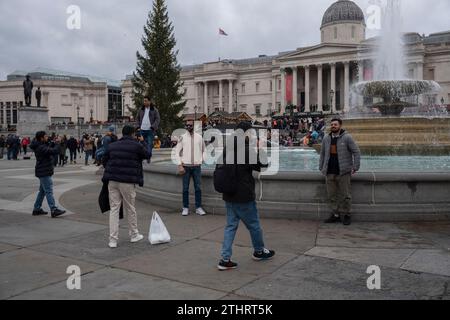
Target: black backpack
(226, 178)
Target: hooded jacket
(349, 155)
(44, 154)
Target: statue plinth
(32, 119)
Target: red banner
(289, 81)
(368, 74)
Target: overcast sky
(34, 33)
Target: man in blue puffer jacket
(123, 171)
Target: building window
(258, 109)
(430, 74)
(353, 32)
(8, 112)
(335, 32)
(323, 33)
(271, 86)
(2, 117)
(14, 112)
(243, 88)
(257, 87)
(279, 85)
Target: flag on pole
(222, 33)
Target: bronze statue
(28, 89)
(38, 96)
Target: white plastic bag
(158, 233)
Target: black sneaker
(57, 213)
(334, 218)
(39, 212)
(226, 265)
(347, 220)
(263, 255)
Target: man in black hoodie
(241, 204)
(45, 153)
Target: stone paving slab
(429, 261)
(93, 247)
(116, 284)
(370, 235)
(193, 262)
(393, 258)
(7, 247)
(14, 218)
(318, 278)
(288, 236)
(25, 270)
(437, 232)
(42, 230)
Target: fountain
(391, 132)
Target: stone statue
(38, 96)
(28, 89)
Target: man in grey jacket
(339, 160)
(148, 120)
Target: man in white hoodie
(189, 154)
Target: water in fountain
(389, 63)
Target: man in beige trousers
(123, 171)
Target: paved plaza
(313, 261)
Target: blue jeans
(149, 136)
(87, 153)
(45, 191)
(248, 213)
(196, 174)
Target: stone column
(347, 86)
(319, 88)
(360, 78)
(333, 86)
(220, 95)
(295, 87)
(274, 93)
(307, 90)
(419, 71)
(205, 100)
(283, 90)
(196, 93)
(230, 96)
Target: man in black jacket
(241, 205)
(72, 145)
(44, 170)
(123, 171)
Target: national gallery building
(316, 78)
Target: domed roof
(343, 10)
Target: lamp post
(92, 118)
(115, 115)
(331, 99)
(78, 122)
(442, 100)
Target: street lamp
(92, 118)
(115, 115)
(78, 122)
(331, 99)
(442, 100)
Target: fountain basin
(377, 196)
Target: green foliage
(158, 72)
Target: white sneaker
(185, 212)
(137, 238)
(113, 244)
(200, 212)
